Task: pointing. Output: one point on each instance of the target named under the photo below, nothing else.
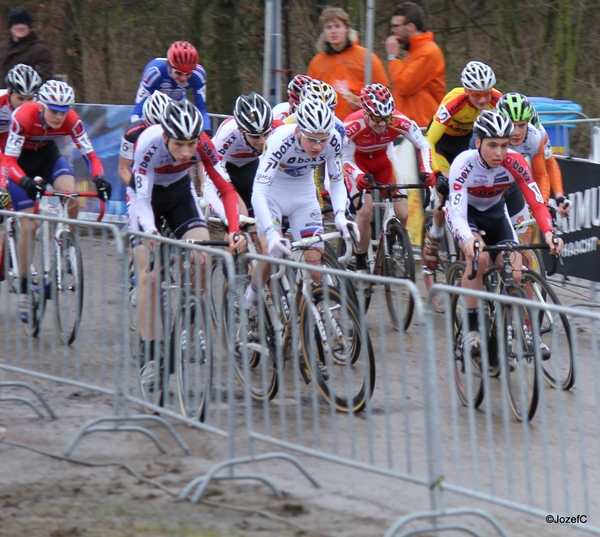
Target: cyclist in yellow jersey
(449, 134)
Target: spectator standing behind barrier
(24, 46)
(341, 61)
(419, 79)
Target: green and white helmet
(516, 106)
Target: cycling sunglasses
(258, 136)
(181, 73)
(480, 94)
(381, 119)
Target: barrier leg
(42, 400)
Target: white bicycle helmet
(154, 107)
(182, 120)
(314, 117)
(493, 124)
(23, 79)
(477, 76)
(56, 95)
(253, 114)
(316, 89)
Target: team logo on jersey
(501, 178)
(352, 128)
(464, 174)
(263, 178)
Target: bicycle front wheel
(521, 375)
(39, 285)
(68, 287)
(337, 350)
(254, 362)
(555, 345)
(401, 264)
(192, 351)
(468, 377)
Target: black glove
(441, 184)
(33, 189)
(104, 187)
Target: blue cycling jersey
(156, 76)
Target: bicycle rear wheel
(401, 264)
(68, 286)
(521, 375)
(558, 366)
(337, 350)
(192, 348)
(254, 362)
(468, 377)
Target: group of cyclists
(261, 163)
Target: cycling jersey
(5, 112)
(156, 76)
(284, 184)
(154, 166)
(366, 151)
(28, 132)
(281, 110)
(537, 147)
(455, 117)
(473, 183)
(130, 136)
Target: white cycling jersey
(281, 110)
(284, 183)
(532, 143)
(473, 183)
(153, 165)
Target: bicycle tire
(337, 351)
(521, 372)
(559, 370)
(262, 379)
(468, 377)
(445, 259)
(399, 264)
(192, 348)
(330, 259)
(133, 293)
(68, 287)
(39, 286)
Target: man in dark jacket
(24, 46)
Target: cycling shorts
(46, 162)
(177, 204)
(301, 207)
(518, 210)
(448, 148)
(494, 222)
(242, 179)
(383, 166)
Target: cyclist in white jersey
(477, 181)
(239, 143)
(283, 110)
(284, 185)
(162, 157)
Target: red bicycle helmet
(376, 100)
(295, 88)
(183, 56)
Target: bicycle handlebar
(515, 247)
(72, 195)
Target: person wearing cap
(24, 46)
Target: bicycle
(186, 324)
(392, 256)
(55, 268)
(292, 312)
(508, 332)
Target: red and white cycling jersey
(473, 183)
(281, 111)
(154, 165)
(5, 112)
(28, 131)
(231, 144)
(362, 142)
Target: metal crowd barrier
(413, 428)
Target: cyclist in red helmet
(173, 76)
(294, 91)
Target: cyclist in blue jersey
(173, 76)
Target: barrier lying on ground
(298, 381)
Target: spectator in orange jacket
(419, 80)
(341, 61)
